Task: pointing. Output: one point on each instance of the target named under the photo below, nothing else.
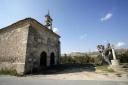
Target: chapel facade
(28, 45)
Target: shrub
(81, 59)
(123, 57)
(87, 59)
(98, 60)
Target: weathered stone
(23, 45)
(115, 62)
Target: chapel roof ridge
(26, 21)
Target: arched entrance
(43, 60)
(52, 59)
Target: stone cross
(113, 52)
(105, 52)
(114, 62)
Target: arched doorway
(52, 59)
(43, 60)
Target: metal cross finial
(48, 13)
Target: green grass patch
(104, 68)
(8, 72)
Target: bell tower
(48, 21)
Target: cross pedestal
(115, 62)
(115, 65)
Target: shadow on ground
(66, 68)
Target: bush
(98, 60)
(87, 59)
(123, 57)
(81, 60)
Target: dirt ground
(84, 74)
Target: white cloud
(120, 44)
(106, 17)
(83, 36)
(55, 30)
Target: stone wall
(22, 43)
(40, 40)
(13, 48)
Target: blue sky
(82, 24)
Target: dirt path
(85, 75)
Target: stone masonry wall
(13, 48)
(40, 40)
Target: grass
(8, 72)
(104, 68)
